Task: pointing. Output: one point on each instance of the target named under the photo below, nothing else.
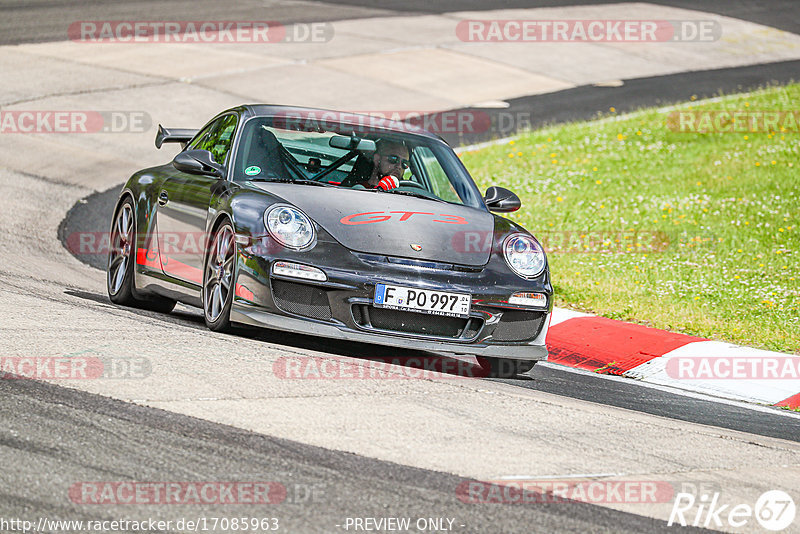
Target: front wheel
(218, 279)
(505, 367)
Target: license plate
(422, 300)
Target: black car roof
(266, 110)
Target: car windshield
(344, 155)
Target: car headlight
(289, 226)
(524, 255)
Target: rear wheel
(121, 258)
(505, 367)
(119, 272)
(218, 279)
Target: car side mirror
(197, 162)
(501, 200)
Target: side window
(440, 183)
(217, 138)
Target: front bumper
(246, 315)
(341, 307)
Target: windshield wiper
(292, 181)
(413, 194)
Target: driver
(388, 165)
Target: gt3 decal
(370, 217)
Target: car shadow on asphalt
(414, 363)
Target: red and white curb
(679, 361)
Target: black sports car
(287, 218)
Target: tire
(505, 367)
(218, 279)
(121, 259)
(122, 244)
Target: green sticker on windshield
(252, 170)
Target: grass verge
(691, 232)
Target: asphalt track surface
(54, 436)
(96, 210)
(30, 21)
(58, 436)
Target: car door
(183, 205)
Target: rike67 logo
(774, 510)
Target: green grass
(690, 232)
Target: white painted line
(765, 390)
(552, 477)
(675, 390)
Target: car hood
(394, 225)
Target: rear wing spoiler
(174, 135)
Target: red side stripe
(169, 265)
(181, 270)
(608, 346)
